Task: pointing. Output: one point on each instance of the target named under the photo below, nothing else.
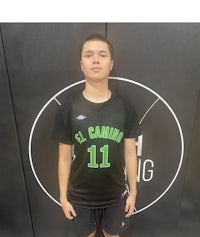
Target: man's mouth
(96, 68)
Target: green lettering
(105, 163)
(111, 132)
(97, 132)
(93, 157)
(79, 137)
(93, 162)
(120, 136)
(91, 133)
(115, 134)
(105, 131)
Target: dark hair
(99, 38)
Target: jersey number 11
(93, 155)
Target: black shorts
(111, 219)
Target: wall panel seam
(15, 121)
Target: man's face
(96, 62)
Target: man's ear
(81, 65)
(111, 66)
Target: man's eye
(87, 55)
(103, 55)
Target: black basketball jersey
(97, 132)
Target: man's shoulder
(69, 99)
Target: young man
(102, 127)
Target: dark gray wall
(39, 60)
(166, 58)
(15, 218)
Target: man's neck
(97, 92)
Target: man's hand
(130, 206)
(68, 210)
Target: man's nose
(95, 59)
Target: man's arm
(131, 168)
(64, 168)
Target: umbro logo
(123, 224)
(81, 117)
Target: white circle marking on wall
(125, 80)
